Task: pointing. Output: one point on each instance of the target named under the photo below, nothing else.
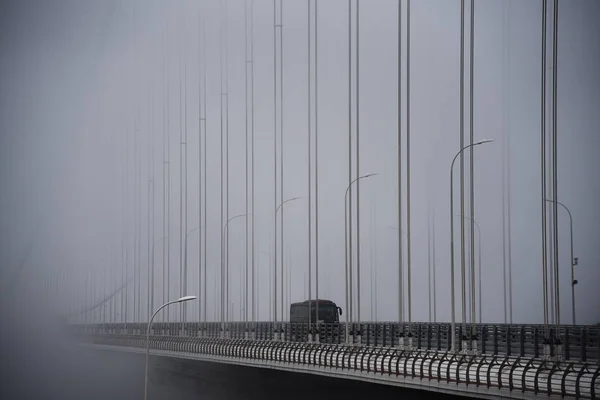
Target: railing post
(583, 344)
(566, 345)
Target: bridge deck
(469, 375)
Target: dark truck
(328, 313)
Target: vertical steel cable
(246, 62)
(168, 164)
(200, 171)
(149, 242)
(275, 159)
(408, 236)
(555, 160)
(153, 162)
(472, 164)
(253, 245)
(357, 165)
(399, 161)
(226, 69)
(222, 280)
(316, 158)
(504, 126)
(433, 265)
(281, 139)
(309, 184)
(508, 174)
(462, 166)
(350, 302)
(181, 233)
(185, 198)
(371, 257)
(164, 171)
(205, 172)
(429, 262)
(543, 168)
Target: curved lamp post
(180, 300)
(452, 239)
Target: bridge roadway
(476, 374)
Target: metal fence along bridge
(509, 360)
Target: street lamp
(180, 300)
(349, 261)
(223, 303)
(275, 260)
(574, 261)
(452, 238)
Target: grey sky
(76, 77)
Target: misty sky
(95, 97)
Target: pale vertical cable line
(148, 238)
(181, 233)
(150, 303)
(253, 244)
(508, 175)
(153, 302)
(433, 266)
(309, 182)
(281, 141)
(200, 191)
(357, 147)
(221, 241)
(226, 70)
(429, 259)
(408, 219)
(399, 161)
(137, 218)
(504, 130)
(555, 159)
(375, 260)
(275, 259)
(168, 178)
(123, 166)
(185, 198)
(472, 165)
(246, 62)
(543, 170)
(205, 303)
(549, 194)
(316, 158)
(349, 263)
(462, 164)
(371, 266)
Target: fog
(98, 97)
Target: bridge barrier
(525, 375)
(579, 343)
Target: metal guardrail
(579, 343)
(497, 374)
